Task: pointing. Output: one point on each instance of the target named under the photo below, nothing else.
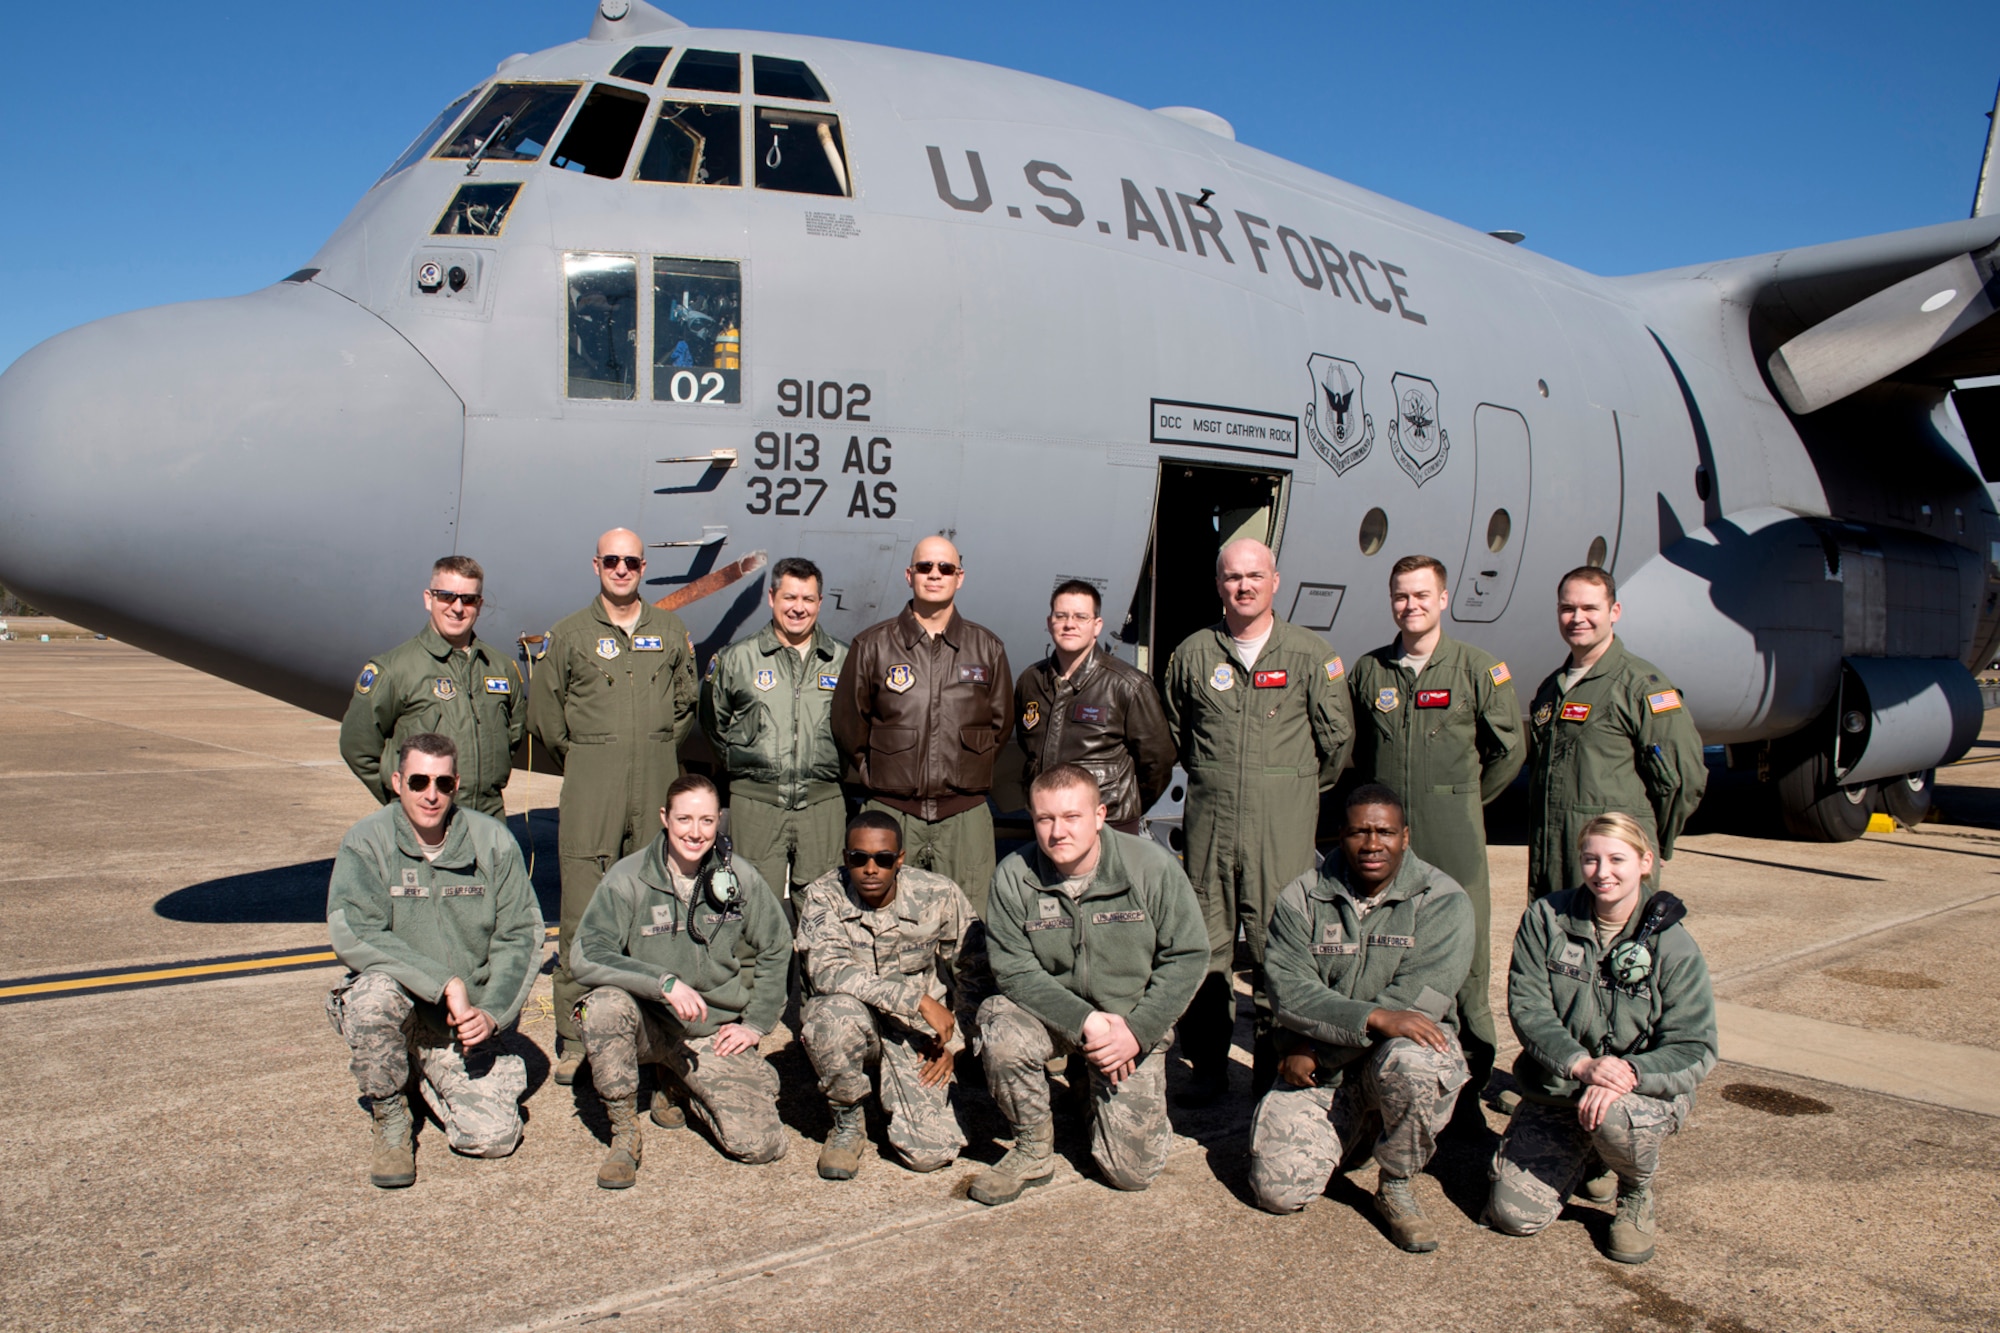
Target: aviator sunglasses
(631, 562)
(447, 784)
(469, 598)
(944, 567)
(858, 858)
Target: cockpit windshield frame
(530, 110)
(433, 134)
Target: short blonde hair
(1617, 824)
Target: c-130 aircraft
(758, 295)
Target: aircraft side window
(600, 138)
(697, 330)
(424, 142)
(799, 151)
(695, 143)
(478, 210)
(709, 72)
(519, 118)
(642, 63)
(777, 77)
(603, 332)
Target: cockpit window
(695, 143)
(642, 63)
(709, 72)
(519, 118)
(478, 210)
(423, 142)
(697, 330)
(777, 77)
(600, 138)
(603, 324)
(799, 151)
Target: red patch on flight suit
(1575, 712)
(1433, 698)
(1268, 680)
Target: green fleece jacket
(635, 931)
(1564, 1006)
(469, 914)
(1328, 967)
(1133, 945)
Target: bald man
(1260, 717)
(611, 700)
(923, 703)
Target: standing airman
(612, 700)
(1437, 721)
(1260, 716)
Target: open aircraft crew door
(1198, 508)
(1499, 528)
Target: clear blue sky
(169, 152)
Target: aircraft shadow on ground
(296, 894)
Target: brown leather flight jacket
(1106, 717)
(920, 720)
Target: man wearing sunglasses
(446, 680)
(611, 700)
(432, 913)
(896, 964)
(919, 713)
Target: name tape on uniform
(1576, 712)
(1433, 698)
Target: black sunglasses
(631, 562)
(469, 598)
(447, 784)
(858, 858)
(941, 566)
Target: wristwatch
(667, 983)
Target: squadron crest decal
(1335, 423)
(1415, 436)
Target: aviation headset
(717, 882)
(1631, 962)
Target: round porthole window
(1597, 552)
(1374, 531)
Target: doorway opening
(1198, 508)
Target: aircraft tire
(1908, 798)
(1816, 810)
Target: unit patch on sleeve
(648, 643)
(1666, 701)
(1268, 680)
(1335, 669)
(713, 663)
(1433, 698)
(1576, 712)
(901, 676)
(1501, 675)
(366, 681)
(499, 685)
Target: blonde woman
(1611, 1000)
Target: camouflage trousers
(735, 1097)
(844, 1036)
(1129, 1133)
(1545, 1151)
(1394, 1100)
(476, 1095)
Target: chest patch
(1268, 680)
(827, 682)
(1499, 672)
(1335, 668)
(1094, 714)
(499, 685)
(1325, 949)
(1576, 712)
(716, 918)
(1666, 701)
(409, 876)
(1031, 716)
(1573, 954)
(463, 891)
(1569, 970)
(1050, 908)
(1331, 933)
(1223, 677)
(663, 921)
(1543, 714)
(972, 675)
(767, 679)
(445, 688)
(713, 663)
(1433, 698)
(1392, 941)
(409, 890)
(901, 676)
(366, 680)
(1048, 923)
(648, 643)
(1387, 698)
(1115, 918)
(607, 648)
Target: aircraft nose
(245, 485)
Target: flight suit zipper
(791, 788)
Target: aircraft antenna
(1986, 199)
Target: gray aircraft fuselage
(1040, 320)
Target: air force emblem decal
(900, 677)
(1335, 423)
(607, 648)
(1223, 677)
(767, 679)
(1415, 436)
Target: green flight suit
(766, 710)
(1619, 739)
(472, 695)
(1447, 740)
(1259, 744)
(612, 707)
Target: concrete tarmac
(194, 1156)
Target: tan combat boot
(1030, 1162)
(621, 1164)
(1601, 1188)
(394, 1165)
(667, 1112)
(569, 1059)
(1632, 1230)
(1397, 1206)
(841, 1157)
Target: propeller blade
(1876, 337)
